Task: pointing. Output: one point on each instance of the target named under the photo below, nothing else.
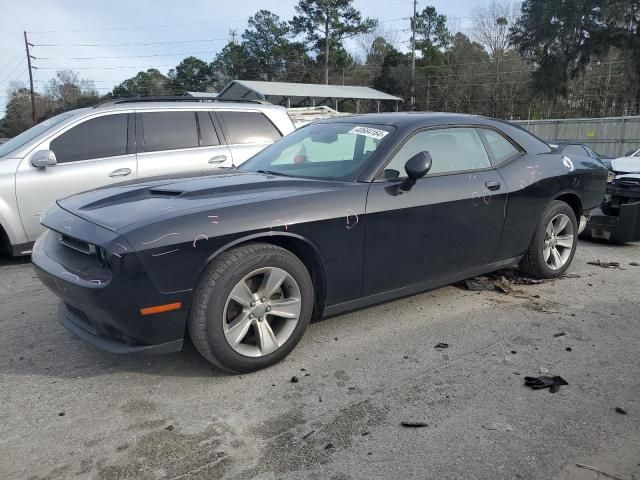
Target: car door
(91, 153)
(449, 222)
(247, 132)
(178, 141)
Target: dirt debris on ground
(252, 426)
(603, 264)
(504, 280)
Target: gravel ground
(70, 411)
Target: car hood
(139, 202)
(626, 165)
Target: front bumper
(102, 306)
(621, 228)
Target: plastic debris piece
(441, 345)
(411, 424)
(561, 334)
(308, 434)
(621, 410)
(502, 427)
(294, 379)
(552, 383)
(600, 263)
(594, 469)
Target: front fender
(9, 213)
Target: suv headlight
(610, 177)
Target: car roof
(401, 119)
(565, 143)
(194, 105)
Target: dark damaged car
(338, 215)
(618, 218)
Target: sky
(105, 41)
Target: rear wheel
(553, 244)
(251, 307)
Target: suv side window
(99, 137)
(168, 131)
(451, 149)
(249, 127)
(208, 135)
(501, 148)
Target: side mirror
(416, 167)
(44, 158)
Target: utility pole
(233, 34)
(428, 93)
(413, 57)
(33, 98)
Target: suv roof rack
(169, 98)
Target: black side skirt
(417, 288)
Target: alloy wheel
(262, 311)
(558, 241)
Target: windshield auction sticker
(369, 132)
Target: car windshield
(33, 132)
(328, 151)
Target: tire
(535, 262)
(215, 311)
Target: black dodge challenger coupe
(338, 215)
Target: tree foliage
(151, 82)
(192, 74)
(542, 59)
(326, 23)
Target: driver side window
(451, 149)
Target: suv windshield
(328, 151)
(33, 132)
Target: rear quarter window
(249, 127)
(499, 147)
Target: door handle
(492, 184)
(218, 159)
(121, 172)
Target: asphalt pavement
(68, 410)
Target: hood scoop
(158, 192)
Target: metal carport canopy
(296, 94)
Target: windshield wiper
(272, 172)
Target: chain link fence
(611, 136)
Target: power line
(106, 68)
(126, 44)
(12, 71)
(141, 27)
(10, 47)
(17, 57)
(128, 56)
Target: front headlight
(610, 177)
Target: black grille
(75, 244)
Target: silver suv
(120, 140)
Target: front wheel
(553, 244)
(251, 307)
